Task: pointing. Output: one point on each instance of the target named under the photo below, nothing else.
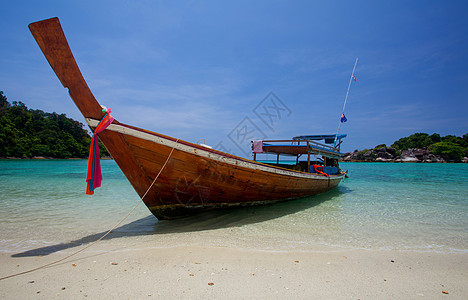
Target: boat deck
(303, 145)
(300, 149)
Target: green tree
(435, 138)
(450, 147)
(448, 150)
(417, 140)
(4, 104)
(26, 132)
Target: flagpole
(346, 99)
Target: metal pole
(346, 99)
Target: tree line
(450, 147)
(30, 133)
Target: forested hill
(27, 133)
(418, 147)
(33, 133)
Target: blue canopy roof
(329, 138)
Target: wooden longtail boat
(195, 177)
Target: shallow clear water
(43, 209)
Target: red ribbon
(94, 175)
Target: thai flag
(343, 118)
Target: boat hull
(197, 178)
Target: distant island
(418, 147)
(28, 133)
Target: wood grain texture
(195, 178)
(191, 181)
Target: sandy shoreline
(222, 272)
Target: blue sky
(273, 69)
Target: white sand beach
(224, 273)
(355, 242)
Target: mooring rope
(109, 231)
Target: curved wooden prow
(53, 43)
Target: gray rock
(409, 159)
(408, 156)
(384, 155)
(392, 151)
(380, 159)
(419, 153)
(368, 156)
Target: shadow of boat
(216, 219)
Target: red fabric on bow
(94, 175)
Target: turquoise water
(424, 207)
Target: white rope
(109, 231)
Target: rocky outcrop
(382, 153)
(409, 156)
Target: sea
(381, 206)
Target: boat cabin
(291, 154)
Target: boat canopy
(329, 138)
(300, 145)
